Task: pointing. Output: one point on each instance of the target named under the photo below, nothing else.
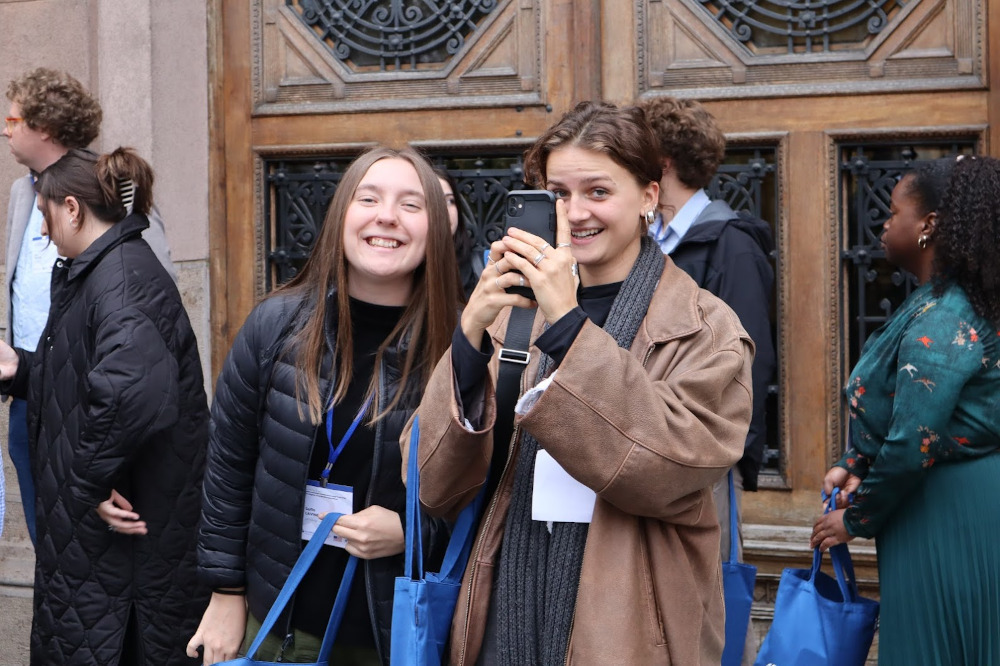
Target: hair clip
(126, 192)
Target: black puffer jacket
(116, 399)
(259, 452)
(727, 253)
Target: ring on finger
(544, 246)
(559, 246)
(496, 281)
(490, 259)
(497, 266)
(575, 269)
(111, 528)
(520, 281)
(538, 259)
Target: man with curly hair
(724, 252)
(50, 114)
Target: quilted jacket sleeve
(17, 386)
(232, 457)
(133, 393)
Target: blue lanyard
(335, 452)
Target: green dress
(925, 432)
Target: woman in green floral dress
(925, 425)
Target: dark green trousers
(305, 649)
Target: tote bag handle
(456, 555)
(843, 566)
(414, 535)
(733, 523)
(295, 577)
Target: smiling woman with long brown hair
(348, 344)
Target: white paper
(531, 396)
(332, 499)
(557, 496)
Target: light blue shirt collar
(669, 235)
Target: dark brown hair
(967, 234)
(927, 184)
(430, 317)
(620, 133)
(688, 136)
(56, 103)
(462, 237)
(98, 182)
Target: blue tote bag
(737, 583)
(424, 602)
(818, 619)
(288, 589)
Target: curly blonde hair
(688, 136)
(56, 103)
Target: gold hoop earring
(922, 241)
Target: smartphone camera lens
(514, 206)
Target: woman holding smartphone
(639, 401)
(314, 394)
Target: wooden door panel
(719, 48)
(322, 77)
(338, 57)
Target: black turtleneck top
(371, 325)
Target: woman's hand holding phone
(517, 260)
(490, 296)
(549, 271)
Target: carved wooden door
(846, 95)
(301, 86)
(824, 102)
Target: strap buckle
(519, 356)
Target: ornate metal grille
(482, 184)
(296, 198)
(874, 287)
(298, 193)
(747, 182)
(803, 26)
(392, 34)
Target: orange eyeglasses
(11, 122)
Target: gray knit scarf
(539, 572)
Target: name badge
(556, 496)
(331, 499)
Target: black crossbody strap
(514, 359)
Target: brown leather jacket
(650, 430)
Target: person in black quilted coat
(350, 340)
(118, 426)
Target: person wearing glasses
(50, 114)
